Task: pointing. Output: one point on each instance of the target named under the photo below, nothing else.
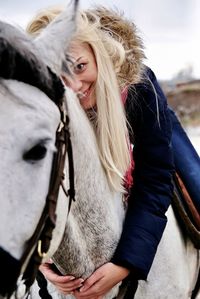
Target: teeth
(82, 94)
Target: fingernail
(71, 278)
(49, 261)
(81, 289)
(81, 280)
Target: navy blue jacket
(151, 193)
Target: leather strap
(182, 214)
(46, 224)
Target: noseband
(39, 243)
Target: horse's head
(30, 101)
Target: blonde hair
(42, 20)
(113, 61)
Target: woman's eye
(79, 68)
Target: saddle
(185, 211)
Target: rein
(39, 243)
(188, 217)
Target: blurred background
(170, 30)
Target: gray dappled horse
(29, 118)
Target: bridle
(39, 243)
(43, 233)
(19, 61)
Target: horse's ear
(54, 39)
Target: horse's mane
(19, 60)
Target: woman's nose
(73, 82)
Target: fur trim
(125, 32)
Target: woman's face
(85, 74)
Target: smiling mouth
(85, 94)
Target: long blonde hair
(111, 55)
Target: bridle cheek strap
(9, 273)
(39, 243)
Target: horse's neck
(84, 150)
(97, 215)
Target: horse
(30, 95)
(85, 236)
(29, 120)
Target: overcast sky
(170, 28)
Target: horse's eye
(36, 153)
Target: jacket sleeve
(151, 193)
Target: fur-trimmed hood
(124, 31)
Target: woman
(108, 75)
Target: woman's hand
(65, 284)
(101, 281)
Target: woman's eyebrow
(77, 60)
